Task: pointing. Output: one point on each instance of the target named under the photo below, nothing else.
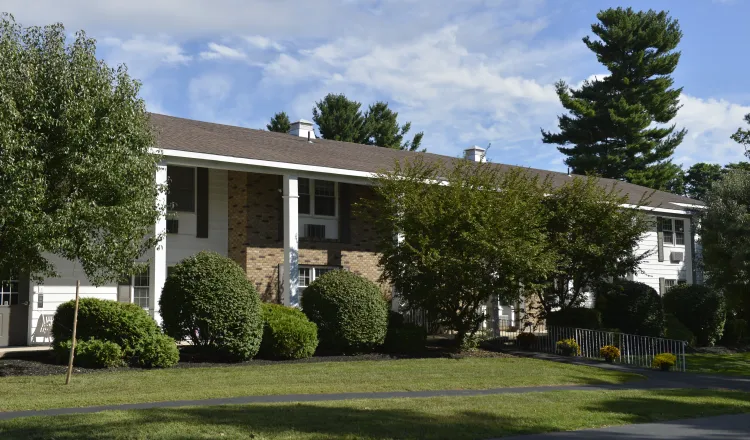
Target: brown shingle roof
(225, 140)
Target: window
(666, 227)
(9, 292)
(668, 284)
(315, 231)
(181, 189)
(317, 197)
(308, 274)
(141, 289)
(679, 234)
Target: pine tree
(616, 126)
(339, 118)
(384, 131)
(743, 137)
(280, 123)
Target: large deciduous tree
(591, 237)
(616, 125)
(77, 174)
(279, 123)
(742, 136)
(470, 231)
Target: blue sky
(464, 72)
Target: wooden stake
(73, 341)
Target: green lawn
(20, 393)
(737, 364)
(455, 418)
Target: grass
(44, 392)
(736, 364)
(456, 418)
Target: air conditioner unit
(676, 256)
(317, 232)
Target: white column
(291, 242)
(395, 298)
(158, 269)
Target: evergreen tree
(743, 137)
(339, 118)
(280, 123)
(616, 125)
(384, 131)
(700, 177)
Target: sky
(466, 72)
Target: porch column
(158, 267)
(291, 242)
(395, 297)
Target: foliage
(339, 118)
(279, 123)
(457, 235)
(725, 238)
(615, 126)
(609, 353)
(591, 238)
(127, 325)
(406, 339)
(526, 340)
(742, 137)
(631, 307)
(699, 178)
(677, 330)
(349, 310)
(90, 353)
(158, 351)
(395, 319)
(287, 333)
(578, 317)
(568, 347)
(700, 308)
(208, 299)
(664, 361)
(735, 332)
(76, 170)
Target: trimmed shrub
(677, 330)
(92, 353)
(395, 319)
(568, 347)
(579, 317)
(631, 307)
(208, 299)
(350, 312)
(609, 353)
(526, 340)
(158, 351)
(664, 361)
(700, 308)
(406, 339)
(287, 333)
(735, 332)
(127, 325)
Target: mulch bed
(42, 363)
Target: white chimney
(475, 153)
(303, 128)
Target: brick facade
(255, 242)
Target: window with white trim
(674, 231)
(141, 289)
(317, 197)
(308, 274)
(9, 292)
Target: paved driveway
(707, 428)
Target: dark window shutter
(345, 213)
(280, 235)
(202, 203)
(659, 239)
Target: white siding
(654, 269)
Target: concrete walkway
(8, 350)
(707, 428)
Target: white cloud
(263, 43)
(159, 48)
(220, 51)
(207, 95)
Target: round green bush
(287, 333)
(350, 311)
(208, 299)
(92, 353)
(158, 351)
(578, 317)
(677, 330)
(700, 308)
(127, 325)
(631, 307)
(405, 339)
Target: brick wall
(255, 215)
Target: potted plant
(664, 361)
(568, 347)
(526, 340)
(609, 353)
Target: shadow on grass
(356, 420)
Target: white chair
(43, 328)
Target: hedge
(631, 307)
(677, 330)
(405, 339)
(208, 299)
(92, 353)
(287, 333)
(579, 317)
(158, 351)
(700, 309)
(350, 311)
